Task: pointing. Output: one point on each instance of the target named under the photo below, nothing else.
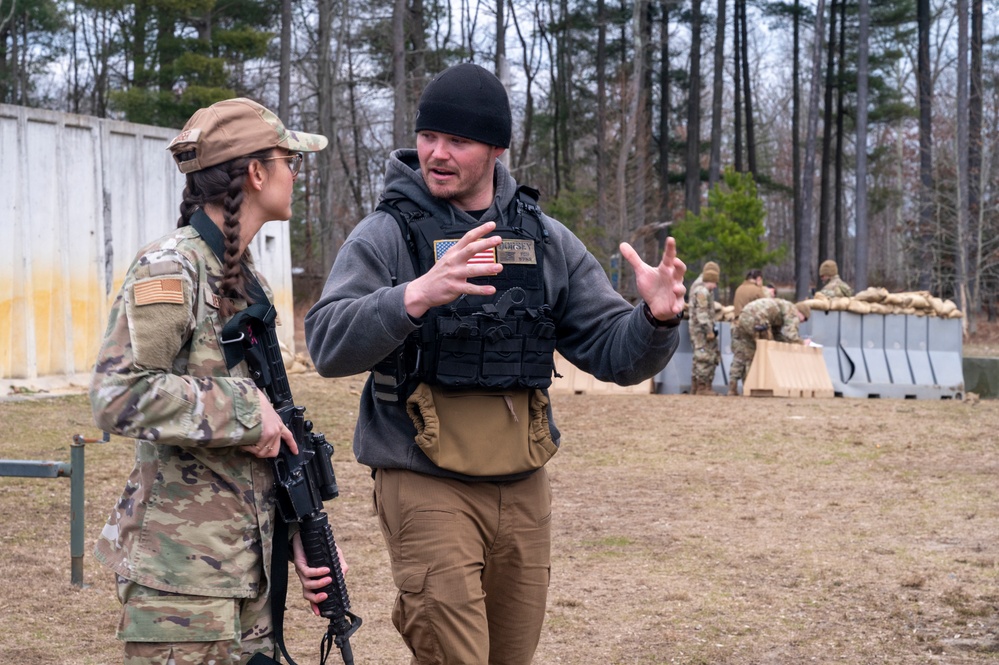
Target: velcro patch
(517, 251)
(442, 246)
(163, 290)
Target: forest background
(733, 121)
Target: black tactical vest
(502, 341)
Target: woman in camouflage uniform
(190, 539)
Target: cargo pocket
(178, 619)
(409, 616)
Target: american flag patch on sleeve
(442, 246)
(164, 289)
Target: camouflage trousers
(164, 628)
(706, 356)
(743, 350)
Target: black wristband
(669, 323)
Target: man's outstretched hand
(661, 287)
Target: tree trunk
(717, 92)
(925, 92)
(327, 117)
(825, 179)
(803, 230)
(737, 92)
(860, 271)
(747, 91)
(664, 111)
(284, 72)
(400, 114)
(692, 199)
(961, 287)
(975, 180)
(838, 232)
(796, 113)
(632, 124)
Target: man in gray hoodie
(460, 290)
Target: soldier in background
(703, 338)
(751, 289)
(767, 318)
(190, 540)
(832, 285)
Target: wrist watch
(658, 323)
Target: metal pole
(76, 511)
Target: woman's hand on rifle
(313, 578)
(274, 432)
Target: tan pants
(162, 628)
(472, 563)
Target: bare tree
(975, 173)
(825, 177)
(796, 112)
(692, 199)
(962, 159)
(665, 104)
(284, 72)
(860, 276)
(633, 121)
(717, 92)
(803, 226)
(925, 94)
(747, 91)
(399, 9)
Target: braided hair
(222, 185)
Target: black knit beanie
(469, 101)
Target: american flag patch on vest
(442, 246)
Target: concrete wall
(78, 197)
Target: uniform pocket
(178, 619)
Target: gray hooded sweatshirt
(361, 317)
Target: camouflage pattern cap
(828, 268)
(233, 128)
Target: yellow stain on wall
(69, 316)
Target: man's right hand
(448, 279)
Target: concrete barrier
(890, 355)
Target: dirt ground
(687, 530)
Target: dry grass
(687, 530)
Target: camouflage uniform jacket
(702, 307)
(197, 511)
(780, 315)
(836, 288)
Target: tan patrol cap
(233, 128)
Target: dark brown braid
(222, 185)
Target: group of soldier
(758, 313)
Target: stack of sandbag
(877, 300)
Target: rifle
(304, 480)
